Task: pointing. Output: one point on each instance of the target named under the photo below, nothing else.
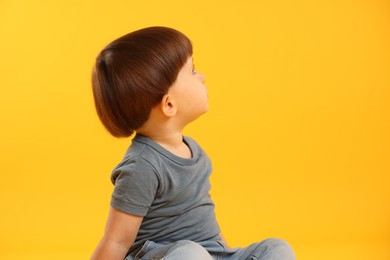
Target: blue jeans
(214, 250)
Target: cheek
(200, 94)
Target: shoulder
(137, 163)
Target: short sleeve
(136, 185)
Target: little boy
(145, 83)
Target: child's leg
(272, 248)
(179, 250)
(186, 249)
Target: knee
(278, 249)
(185, 249)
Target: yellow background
(298, 127)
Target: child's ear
(168, 105)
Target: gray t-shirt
(170, 192)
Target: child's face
(189, 92)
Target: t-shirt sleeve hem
(130, 209)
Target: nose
(202, 77)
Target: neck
(169, 138)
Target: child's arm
(120, 233)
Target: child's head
(133, 73)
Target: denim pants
(214, 250)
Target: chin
(199, 114)
(206, 109)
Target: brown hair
(133, 73)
